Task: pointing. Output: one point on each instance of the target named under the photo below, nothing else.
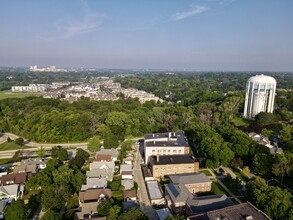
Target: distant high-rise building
(260, 95)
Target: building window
(169, 151)
(153, 151)
(179, 151)
(164, 151)
(174, 151)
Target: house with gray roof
(107, 173)
(127, 184)
(94, 182)
(96, 165)
(11, 192)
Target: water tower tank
(260, 95)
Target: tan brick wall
(162, 170)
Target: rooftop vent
(249, 217)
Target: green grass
(218, 189)
(237, 121)
(206, 172)
(5, 161)
(11, 146)
(6, 94)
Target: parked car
(222, 171)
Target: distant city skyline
(213, 35)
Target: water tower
(260, 95)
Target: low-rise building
(163, 165)
(184, 187)
(15, 178)
(245, 211)
(11, 192)
(127, 184)
(32, 168)
(155, 193)
(94, 182)
(129, 195)
(89, 200)
(170, 143)
(112, 152)
(127, 175)
(100, 173)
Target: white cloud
(195, 10)
(70, 28)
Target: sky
(203, 35)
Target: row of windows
(166, 151)
(174, 168)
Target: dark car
(222, 171)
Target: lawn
(206, 172)
(237, 121)
(218, 189)
(6, 94)
(5, 161)
(11, 146)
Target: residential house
(129, 195)
(89, 200)
(126, 167)
(24, 168)
(128, 160)
(98, 165)
(94, 182)
(15, 178)
(11, 192)
(163, 165)
(127, 183)
(155, 193)
(40, 163)
(112, 152)
(100, 173)
(170, 143)
(103, 157)
(245, 211)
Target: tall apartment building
(170, 143)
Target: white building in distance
(260, 95)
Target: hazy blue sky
(181, 34)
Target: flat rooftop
(154, 190)
(171, 159)
(166, 139)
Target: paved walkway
(142, 194)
